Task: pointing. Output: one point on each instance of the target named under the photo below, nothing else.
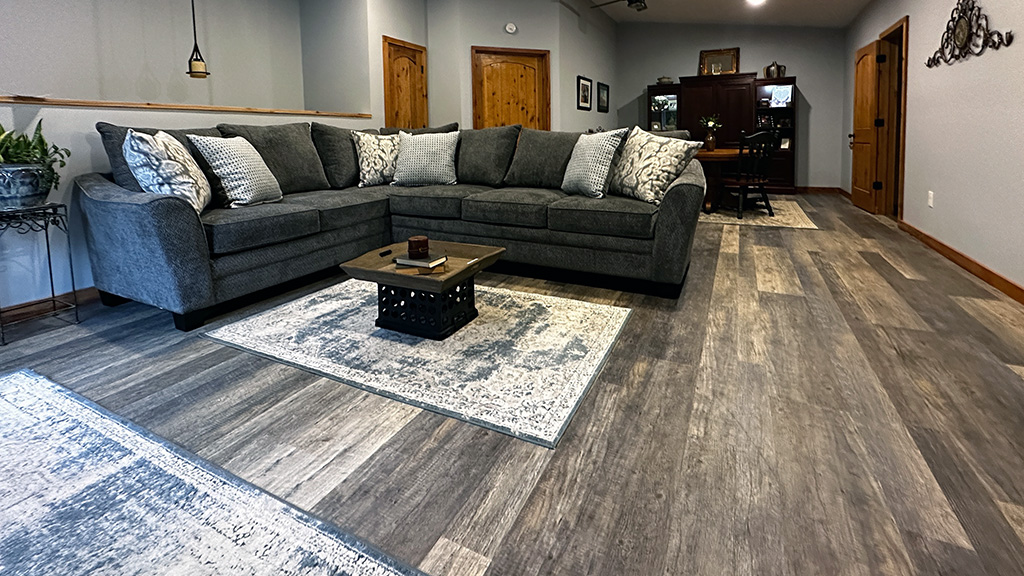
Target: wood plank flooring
(833, 401)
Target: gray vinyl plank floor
(833, 401)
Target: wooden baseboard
(820, 190)
(986, 274)
(28, 310)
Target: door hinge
(879, 122)
(876, 185)
(422, 69)
(880, 58)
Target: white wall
(963, 128)
(138, 51)
(586, 47)
(814, 55)
(335, 55)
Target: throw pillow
(649, 164)
(426, 159)
(591, 163)
(541, 159)
(486, 154)
(338, 154)
(162, 165)
(247, 180)
(377, 158)
(288, 151)
(453, 127)
(113, 143)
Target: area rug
(521, 368)
(788, 214)
(85, 492)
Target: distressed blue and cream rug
(521, 367)
(85, 492)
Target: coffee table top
(464, 261)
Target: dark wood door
(735, 101)
(405, 84)
(865, 132)
(698, 102)
(731, 97)
(511, 86)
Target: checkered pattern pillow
(162, 165)
(591, 163)
(245, 176)
(426, 159)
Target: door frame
(388, 40)
(902, 28)
(545, 55)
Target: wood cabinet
(743, 103)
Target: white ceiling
(819, 13)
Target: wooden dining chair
(754, 162)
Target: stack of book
(432, 264)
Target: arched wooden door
(511, 86)
(405, 84)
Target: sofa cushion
(235, 230)
(485, 155)
(162, 165)
(339, 208)
(113, 142)
(426, 159)
(453, 127)
(591, 163)
(432, 201)
(541, 158)
(288, 151)
(649, 164)
(337, 153)
(378, 158)
(526, 207)
(247, 180)
(611, 216)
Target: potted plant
(712, 124)
(27, 167)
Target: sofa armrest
(149, 248)
(677, 224)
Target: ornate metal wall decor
(967, 34)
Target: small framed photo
(584, 93)
(602, 97)
(715, 62)
(784, 144)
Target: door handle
(850, 136)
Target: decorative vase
(23, 185)
(709, 141)
(772, 70)
(782, 71)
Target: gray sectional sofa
(156, 250)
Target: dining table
(713, 161)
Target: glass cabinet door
(664, 112)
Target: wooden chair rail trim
(986, 274)
(69, 103)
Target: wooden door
(698, 101)
(735, 102)
(511, 86)
(405, 84)
(866, 182)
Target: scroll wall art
(967, 34)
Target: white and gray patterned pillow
(247, 180)
(378, 156)
(162, 165)
(591, 163)
(649, 164)
(426, 159)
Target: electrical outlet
(931, 199)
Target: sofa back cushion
(338, 154)
(113, 143)
(541, 159)
(453, 127)
(288, 151)
(485, 155)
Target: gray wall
(335, 55)
(587, 47)
(963, 128)
(815, 56)
(401, 19)
(138, 51)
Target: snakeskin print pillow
(649, 164)
(247, 180)
(162, 165)
(591, 163)
(426, 159)
(378, 156)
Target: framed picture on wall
(602, 97)
(715, 62)
(584, 93)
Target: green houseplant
(28, 167)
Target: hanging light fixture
(196, 64)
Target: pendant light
(196, 64)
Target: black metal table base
(426, 314)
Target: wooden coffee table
(431, 306)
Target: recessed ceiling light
(756, 2)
